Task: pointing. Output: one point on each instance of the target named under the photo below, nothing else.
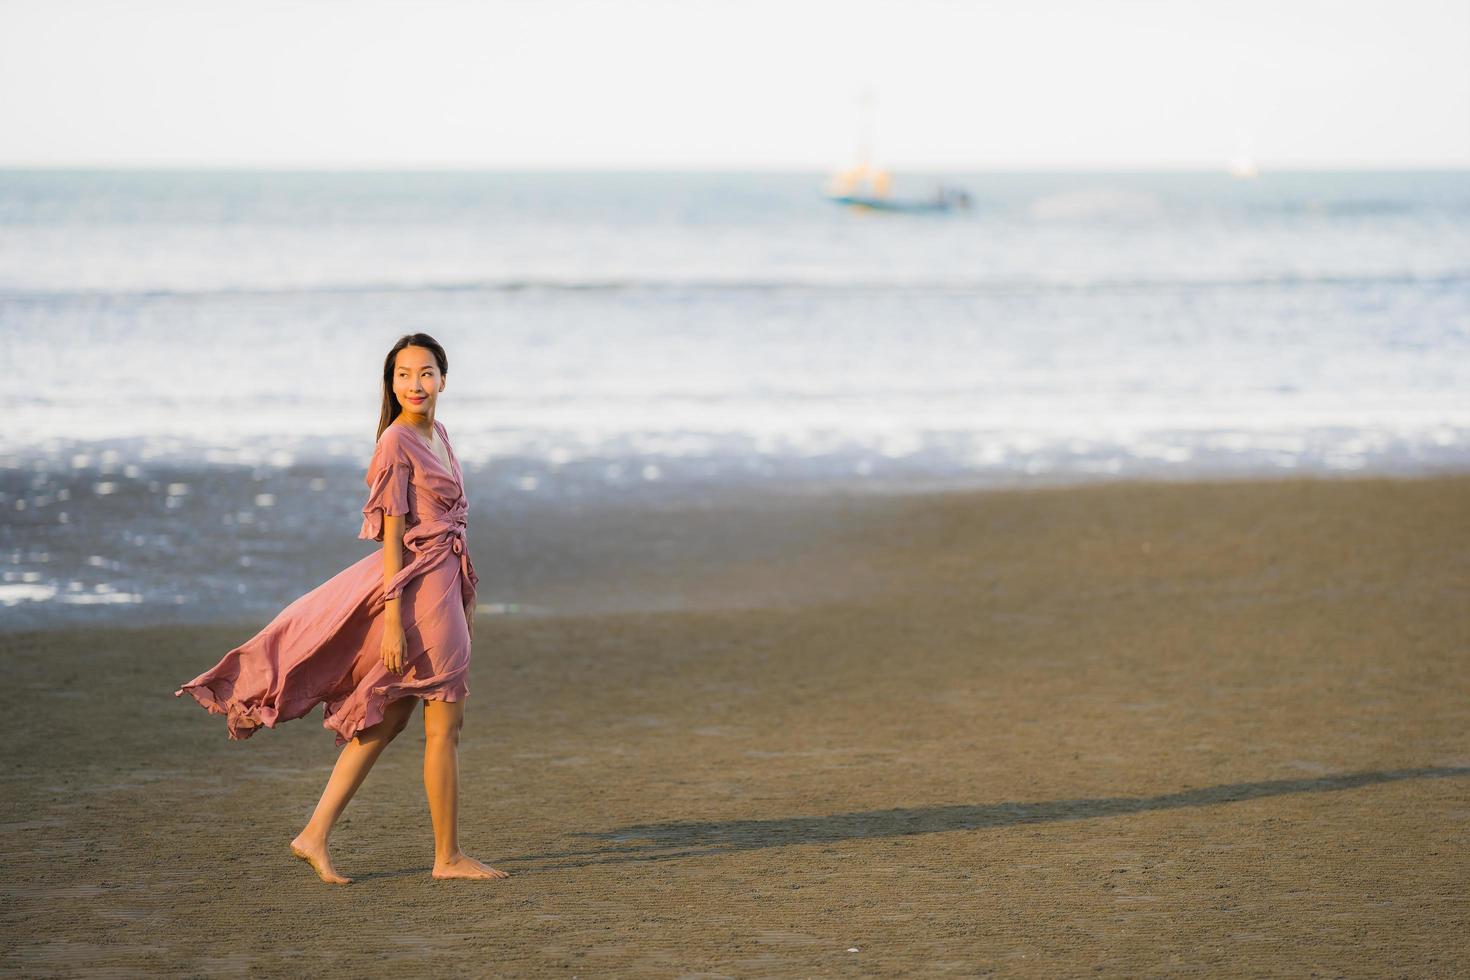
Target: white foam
(11, 595)
(99, 598)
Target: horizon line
(444, 168)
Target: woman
(381, 635)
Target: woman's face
(417, 381)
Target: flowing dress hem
(348, 726)
(242, 719)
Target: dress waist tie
(430, 545)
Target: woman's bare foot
(315, 854)
(464, 866)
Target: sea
(195, 357)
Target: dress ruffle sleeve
(388, 481)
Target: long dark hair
(391, 408)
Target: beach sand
(1121, 729)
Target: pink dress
(324, 648)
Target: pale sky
(742, 84)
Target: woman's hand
(395, 647)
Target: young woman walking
(384, 633)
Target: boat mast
(866, 99)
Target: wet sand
(1128, 729)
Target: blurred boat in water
(870, 188)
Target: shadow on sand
(682, 839)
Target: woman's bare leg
(353, 763)
(442, 722)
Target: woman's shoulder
(393, 446)
(390, 437)
(399, 431)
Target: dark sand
(1132, 729)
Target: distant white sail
(1242, 163)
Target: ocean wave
(855, 285)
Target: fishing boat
(862, 187)
(869, 188)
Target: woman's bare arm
(393, 527)
(393, 639)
